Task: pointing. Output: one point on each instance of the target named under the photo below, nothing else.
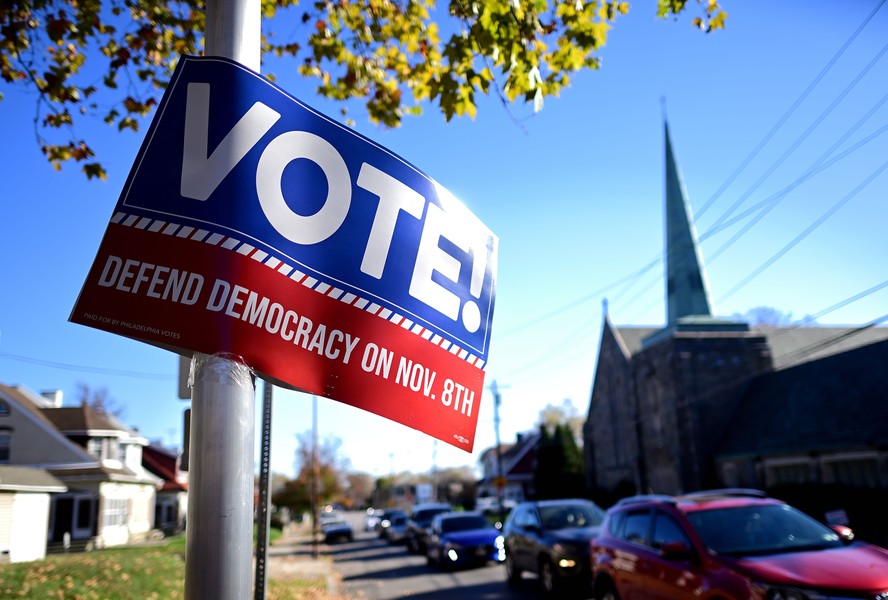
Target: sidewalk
(295, 556)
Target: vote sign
(253, 225)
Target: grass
(125, 573)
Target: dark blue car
(461, 539)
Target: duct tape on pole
(220, 481)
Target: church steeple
(687, 293)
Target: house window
(94, 448)
(4, 409)
(5, 445)
(112, 450)
(115, 513)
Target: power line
(798, 142)
(772, 204)
(634, 277)
(87, 369)
(577, 302)
(808, 230)
(813, 170)
(790, 111)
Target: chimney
(54, 397)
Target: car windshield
(569, 516)
(427, 514)
(761, 529)
(463, 523)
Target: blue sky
(575, 194)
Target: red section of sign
(165, 290)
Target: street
(373, 569)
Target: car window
(615, 524)
(463, 523)
(526, 518)
(637, 526)
(668, 530)
(761, 529)
(569, 516)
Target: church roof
(794, 345)
(633, 336)
(835, 402)
(789, 345)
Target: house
(171, 504)
(708, 402)
(511, 466)
(24, 512)
(110, 496)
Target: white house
(24, 512)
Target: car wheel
(547, 578)
(513, 573)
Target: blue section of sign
(309, 191)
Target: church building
(706, 402)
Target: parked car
(335, 528)
(396, 531)
(386, 520)
(490, 505)
(417, 525)
(730, 544)
(463, 538)
(551, 538)
(374, 516)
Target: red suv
(729, 544)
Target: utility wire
(578, 301)
(777, 196)
(769, 203)
(775, 199)
(789, 111)
(798, 142)
(799, 357)
(87, 369)
(633, 277)
(829, 213)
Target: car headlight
(452, 551)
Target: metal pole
(315, 475)
(220, 506)
(262, 516)
(234, 29)
(434, 470)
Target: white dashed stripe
(245, 249)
